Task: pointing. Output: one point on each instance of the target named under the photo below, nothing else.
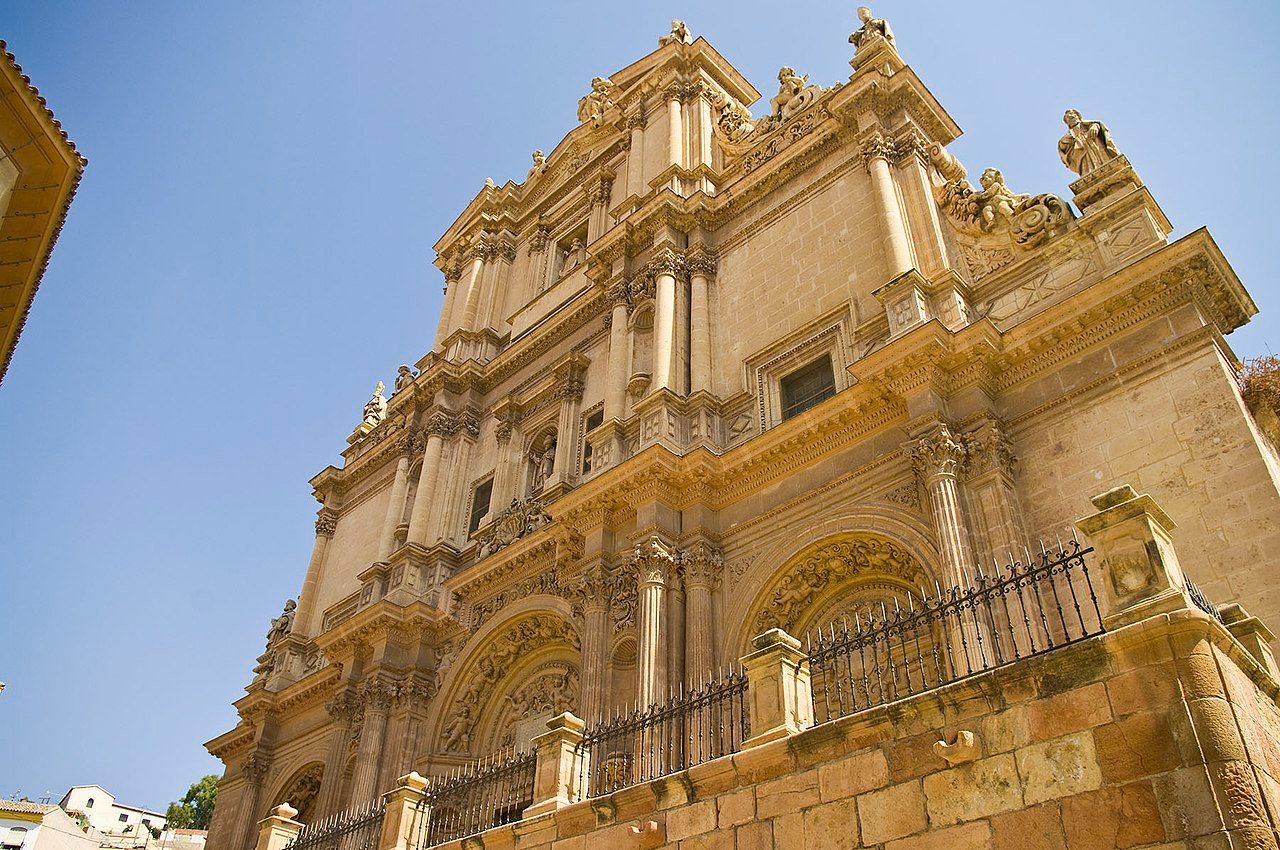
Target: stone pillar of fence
(779, 695)
(405, 813)
(559, 767)
(1139, 573)
(277, 829)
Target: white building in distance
(105, 814)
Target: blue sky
(250, 251)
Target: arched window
(89, 805)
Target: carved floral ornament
(809, 579)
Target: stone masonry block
(735, 807)
(1058, 768)
(854, 775)
(1113, 817)
(1033, 828)
(971, 791)
(690, 820)
(969, 836)
(788, 794)
(893, 812)
(832, 825)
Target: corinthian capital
(941, 453)
(701, 261)
(703, 565)
(255, 767)
(326, 522)
(442, 423)
(667, 261)
(876, 146)
(655, 561)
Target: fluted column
(897, 246)
(665, 268)
(569, 376)
(399, 490)
(506, 471)
(702, 266)
(326, 525)
(599, 193)
(254, 770)
(702, 568)
(439, 425)
(452, 276)
(377, 703)
(480, 254)
(655, 564)
(344, 710)
(615, 392)
(593, 594)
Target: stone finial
(285, 811)
(966, 748)
(1087, 145)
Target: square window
(124, 818)
(479, 504)
(807, 387)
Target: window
(124, 818)
(595, 420)
(146, 821)
(479, 505)
(807, 386)
(16, 836)
(89, 805)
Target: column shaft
(698, 637)
(423, 499)
(615, 397)
(635, 160)
(651, 661)
(675, 127)
(315, 568)
(472, 307)
(664, 332)
(395, 508)
(896, 243)
(595, 661)
(699, 334)
(364, 785)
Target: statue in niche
(872, 28)
(598, 101)
(572, 256)
(1087, 145)
(679, 35)
(794, 94)
(457, 735)
(544, 465)
(375, 410)
(404, 378)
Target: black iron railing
(1202, 602)
(695, 725)
(492, 792)
(358, 828)
(1020, 609)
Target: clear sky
(250, 251)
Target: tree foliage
(195, 810)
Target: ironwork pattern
(701, 723)
(492, 792)
(1202, 602)
(357, 828)
(1021, 609)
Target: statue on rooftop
(375, 410)
(794, 93)
(679, 35)
(404, 377)
(598, 101)
(539, 163)
(1086, 145)
(872, 28)
(280, 628)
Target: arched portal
(302, 790)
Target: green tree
(195, 810)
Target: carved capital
(485, 247)
(876, 146)
(703, 565)
(655, 562)
(992, 450)
(940, 454)
(637, 120)
(594, 588)
(911, 144)
(667, 261)
(378, 695)
(255, 767)
(326, 522)
(441, 423)
(539, 240)
(701, 261)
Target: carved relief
(1029, 220)
(523, 517)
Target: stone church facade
(705, 373)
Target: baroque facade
(707, 372)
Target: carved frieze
(522, 517)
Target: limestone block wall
(1176, 428)
(1162, 734)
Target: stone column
(897, 245)
(779, 693)
(480, 254)
(912, 164)
(615, 392)
(506, 471)
(635, 160)
(569, 373)
(593, 594)
(938, 457)
(675, 126)
(254, 770)
(702, 266)
(278, 829)
(344, 710)
(377, 702)
(452, 276)
(664, 267)
(705, 124)
(326, 525)
(599, 193)
(399, 490)
(497, 281)
(702, 568)
(655, 564)
(438, 426)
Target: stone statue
(280, 628)
(1086, 145)
(539, 163)
(572, 256)
(544, 465)
(404, 377)
(457, 735)
(996, 202)
(598, 101)
(375, 410)
(679, 35)
(794, 94)
(872, 28)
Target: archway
(302, 790)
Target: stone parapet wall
(1161, 734)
